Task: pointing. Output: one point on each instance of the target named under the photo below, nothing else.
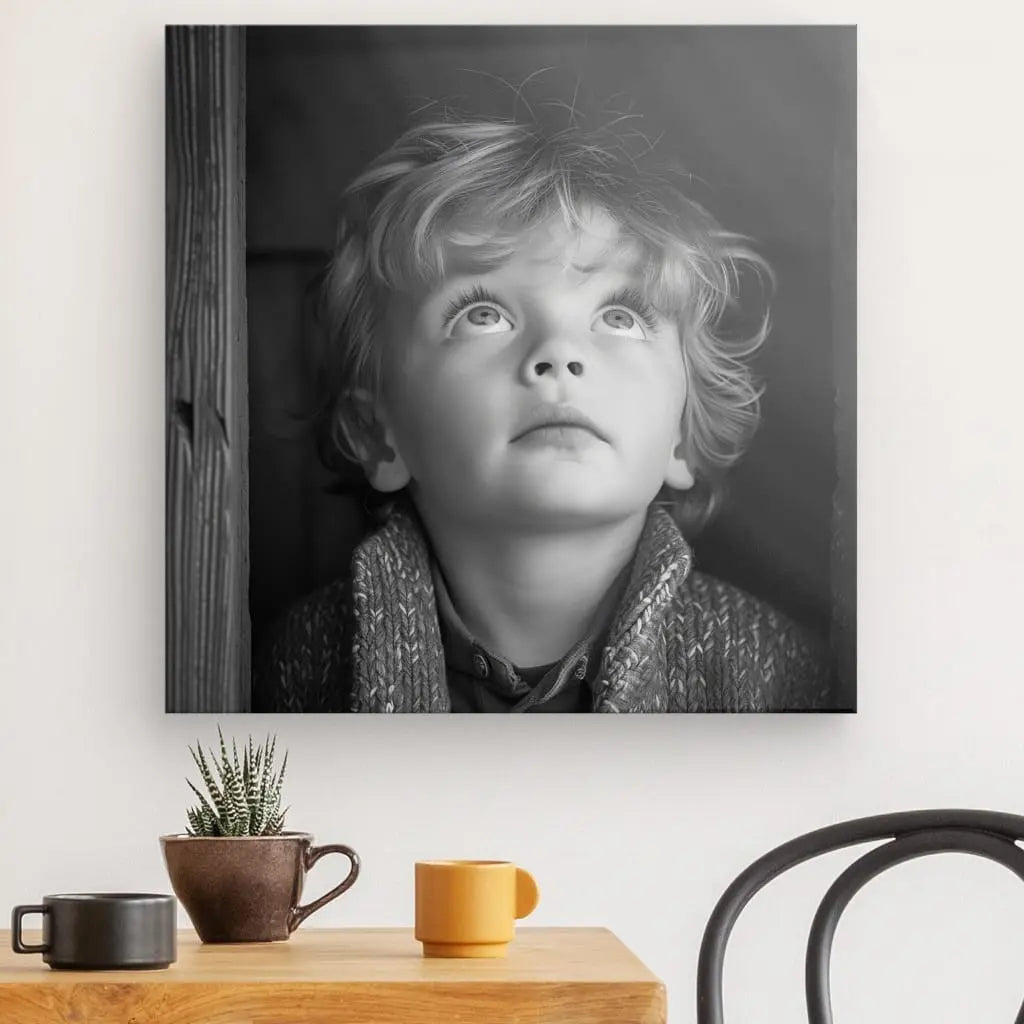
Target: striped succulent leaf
(276, 823)
(207, 775)
(204, 804)
(211, 823)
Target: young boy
(523, 351)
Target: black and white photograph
(511, 369)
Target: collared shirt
(479, 680)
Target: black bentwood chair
(990, 834)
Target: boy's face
(540, 394)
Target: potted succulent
(238, 874)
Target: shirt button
(581, 668)
(480, 666)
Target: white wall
(637, 824)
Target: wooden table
(347, 976)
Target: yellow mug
(469, 908)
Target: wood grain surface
(347, 976)
(207, 393)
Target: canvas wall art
(511, 369)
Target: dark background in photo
(763, 118)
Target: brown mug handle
(17, 943)
(311, 856)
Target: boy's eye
(618, 320)
(475, 312)
(480, 319)
(627, 314)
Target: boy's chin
(569, 511)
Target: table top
(569, 975)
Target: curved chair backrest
(990, 834)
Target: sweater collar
(398, 658)
(634, 668)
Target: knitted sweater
(679, 640)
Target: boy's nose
(553, 351)
(574, 366)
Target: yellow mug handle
(527, 894)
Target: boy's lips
(557, 416)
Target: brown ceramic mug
(247, 888)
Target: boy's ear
(364, 422)
(678, 473)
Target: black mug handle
(16, 917)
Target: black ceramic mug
(102, 930)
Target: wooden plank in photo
(207, 396)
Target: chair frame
(990, 834)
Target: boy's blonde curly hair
(431, 190)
